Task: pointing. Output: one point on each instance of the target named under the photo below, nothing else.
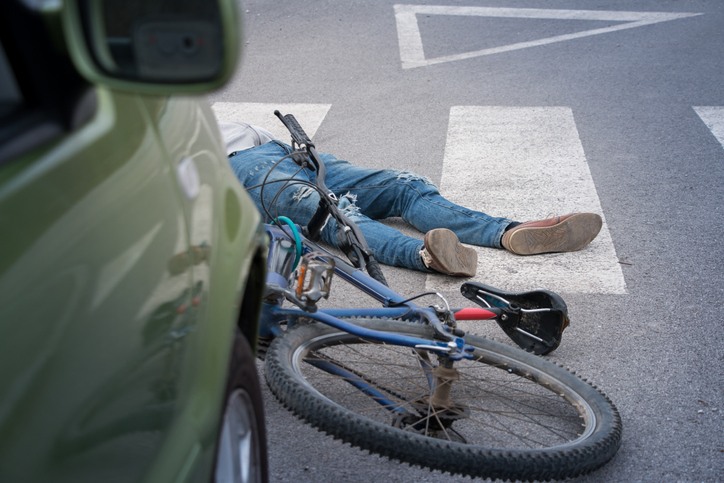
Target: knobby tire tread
(456, 458)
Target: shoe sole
(449, 256)
(571, 234)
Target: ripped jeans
(366, 195)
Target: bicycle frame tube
(273, 313)
(354, 276)
(365, 387)
(375, 335)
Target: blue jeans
(365, 195)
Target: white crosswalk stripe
(526, 163)
(713, 117)
(310, 116)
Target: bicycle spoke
(504, 406)
(499, 405)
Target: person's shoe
(567, 233)
(444, 253)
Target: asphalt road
(654, 346)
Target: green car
(131, 260)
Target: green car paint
(127, 249)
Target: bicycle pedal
(313, 279)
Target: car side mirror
(153, 46)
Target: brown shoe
(444, 253)
(567, 233)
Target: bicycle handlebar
(375, 271)
(298, 135)
(356, 249)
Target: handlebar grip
(298, 135)
(373, 268)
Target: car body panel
(115, 331)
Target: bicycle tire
(483, 448)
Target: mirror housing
(153, 46)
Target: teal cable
(297, 237)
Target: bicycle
(403, 380)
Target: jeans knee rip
(301, 193)
(347, 204)
(408, 176)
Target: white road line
(526, 163)
(310, 116)
(713, 117)
(411, 47)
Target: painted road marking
(412, 53)
(526, 163)
(713, 117)
(310, 116)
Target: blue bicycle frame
(282, 252)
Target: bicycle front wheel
(507, 413)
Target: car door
(95, 294)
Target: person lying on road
(368, 195)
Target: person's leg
(387, 193)
(276, 189)
(388, 245)
(285, 193)
(440, 251)
(391, 193)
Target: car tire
(241, 455)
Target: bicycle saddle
(535, 320)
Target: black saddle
(535, 320)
